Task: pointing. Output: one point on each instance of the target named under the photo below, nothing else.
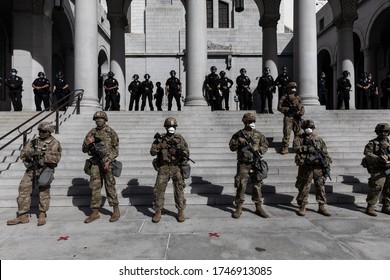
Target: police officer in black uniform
(15, 88)
(362, 91)
(135, 93)
(212, 89)
(243, 90)
(60, 91)
(147, 92)
(266, 88)
(41, 88)
(343, 89)
(385, 86)
(322, 89)
(173, 89)
(282, 81)
(158, 96)
(111, 86)
(224, 85)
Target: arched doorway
(359, 66)
(103, 68)
(324, 65)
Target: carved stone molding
(213, 46)
(269, 20)
(117, 20)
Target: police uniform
(377, 162)
(266, 89)
(147, 93)
(225, 84)
(385, 86)
(112, 95)
(343, 89)
(322, 91)
(212, 84)
(15, 88)
(173, 86)
(106, 142)
(362, 93)
(310, 168)
(373, 93)
(244, 95)
(60, 91)
(281, 82)
(45, 151)
(158, 96)
(169, 166)
(135, 94)
(246, 161)
(41, 94)
(292, 108)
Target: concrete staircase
(208, 134)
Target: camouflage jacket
(303, 144)
(48, 150)
(169, 154)
(286, 103)
(245, 151)
(373, 151)
(107, 139)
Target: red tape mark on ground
(63, 238)
(213, 234)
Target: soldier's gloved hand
(241, 141)
(310, 150)
(164, 145)
(172, 151)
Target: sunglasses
(43, 131)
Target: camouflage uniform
(169, 166)
(310, 169)
(379, 169)
(109, 139)
(49, 151)
(292, 108)
(246, 164)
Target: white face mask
(171, 130)
(252, 125)
(293, 90)
(308, 130)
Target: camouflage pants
(96, 184)
(244, 171)
(25, 190)
(379, 183)
(164, 174)
(307, 173)
(289, 124)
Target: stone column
(196, 52)
(305, 51)
(86, 51)
(118, 22)
(270, 48)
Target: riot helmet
(345, 73)
(158, 84)
(243, 71)
(213, 69)
(60, 75)
(110, 74)
(284, 69)
(147, 76)
(13, 71)
(249, 118)
(170, 122)
(222, 73)
(135, 77)
(41, 75)
(100, 114)
(172, 73)
(266, 70)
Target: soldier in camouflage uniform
(308, 148)
(47, 153)
(291, 106)
(102, 140)
(377, 162)
(171, 150)
(246, 164)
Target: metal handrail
(78, 93)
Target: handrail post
(57, 121)
(24, 138)
(78, 105)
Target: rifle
(318, 154)
(96, 149)
(251, 142)
(173, 144)
(35, 162)
(385, 151)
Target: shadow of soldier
(213, 193)
(277, 200)
(81, 196)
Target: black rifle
(251, 142)
(173, 144)
(35, 162)
(318, 154)
(98, 156)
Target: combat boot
(115, 215)
(260, 211)
(21, 219)
(284, 151)
(302, 210)
(42, 218)
(157, 216)
(370, 210)
(180, 216)
(386, 209)
(323, 211)
(238, 211)
(94, 216)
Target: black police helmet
(13, 70)
(41, 74)
(110, 74)
(222, 73)
(213, 69)
(147, 76)
(135, 76)
(172, 73)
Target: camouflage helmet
(100, 114)
(291, 85)
(381, 127)
(170, 122)
(46, 126)
(249, 118)
(308, 124)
